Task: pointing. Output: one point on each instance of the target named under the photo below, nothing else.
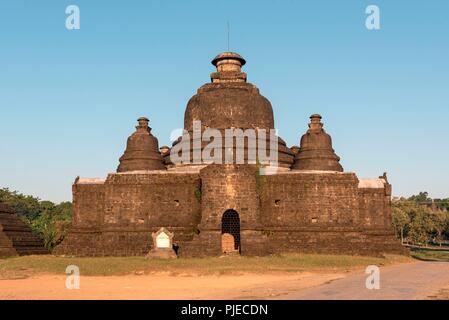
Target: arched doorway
(230, 232)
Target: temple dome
(316, 152)
(229, 101)
(142, 150)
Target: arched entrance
(230, 232)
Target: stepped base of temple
(16, 238)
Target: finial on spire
(228, 58)
(228, 66)
(143, 124)
(315, 123)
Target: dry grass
(22, 267)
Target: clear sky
(70, 99)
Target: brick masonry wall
(334, 241)
(88, 206)
(226, 187)
(286, 212)
(326, 213)
(299, 199)
(374, 208)
(145, 201)
(117, 218)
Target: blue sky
(69, 99)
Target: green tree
(443, 204)
(421, 226)
(27, 207)
(401, 222)
(440, 221)
(421, 198)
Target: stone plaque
(162, 240)
(162, 245)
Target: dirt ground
(274, 277)
(160, 286)
(442, 294)
(413, 281)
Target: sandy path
(419, 280)
(163, 286)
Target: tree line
(421, 221)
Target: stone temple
(308, 204)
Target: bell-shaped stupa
(316, 152)
(142, 150)
(229, 101)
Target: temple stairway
(16, 238)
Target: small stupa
(142, 150)
(316, 152)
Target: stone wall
(304, 200)
(375, 208)
(145, 201)
(88, 205)
(227, 187)
(333, 241)
(296, 211)
(117, 217)
(326, 212)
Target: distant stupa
(16, 238)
